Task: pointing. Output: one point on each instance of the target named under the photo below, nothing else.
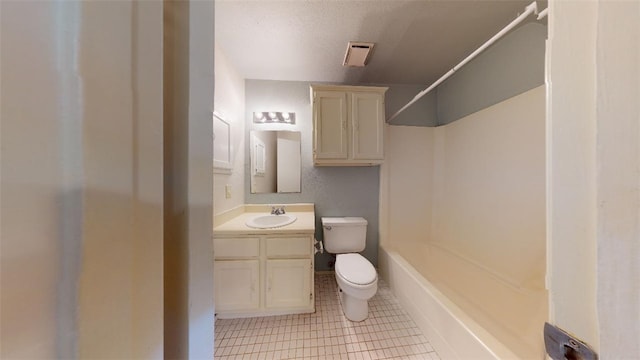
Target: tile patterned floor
(388, 333)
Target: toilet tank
(344, 234)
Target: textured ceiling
(416, 41)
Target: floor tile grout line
(388, 333)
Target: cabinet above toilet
(348, 125)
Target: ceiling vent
(358, 53)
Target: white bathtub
(452, 333)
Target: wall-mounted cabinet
(348, 125)
(263, 275)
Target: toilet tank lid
(343, 221)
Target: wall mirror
(275, 161)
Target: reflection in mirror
(275, 161)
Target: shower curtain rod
(530, 9)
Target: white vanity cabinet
(266, 274)
(237, 285)
(236, 272)
(289, 272)
(348, 125)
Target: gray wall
(511, 66)
(335, 191)
(422, 113)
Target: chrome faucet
(277, 210)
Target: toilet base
(354, 309)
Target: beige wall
(466, 207)
(81, 180)
(30, 261)
(229, 102)
(188, 157)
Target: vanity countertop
(234, 221)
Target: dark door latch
(562, 346)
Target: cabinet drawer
(288, 246)
(236, 247)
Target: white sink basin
(270, 221)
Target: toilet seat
(355, 269)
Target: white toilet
(356, 277)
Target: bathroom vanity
(263, 271)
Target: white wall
(594, 212)
(618, 112)
(229, 102)
(81, 180)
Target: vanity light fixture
(271, 117)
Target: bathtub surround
(450, 330)
(471, 217)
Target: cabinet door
(288, 283)
(367, 115)
(330, 125)
(236, 284)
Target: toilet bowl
(358, 282)
(356, 277)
